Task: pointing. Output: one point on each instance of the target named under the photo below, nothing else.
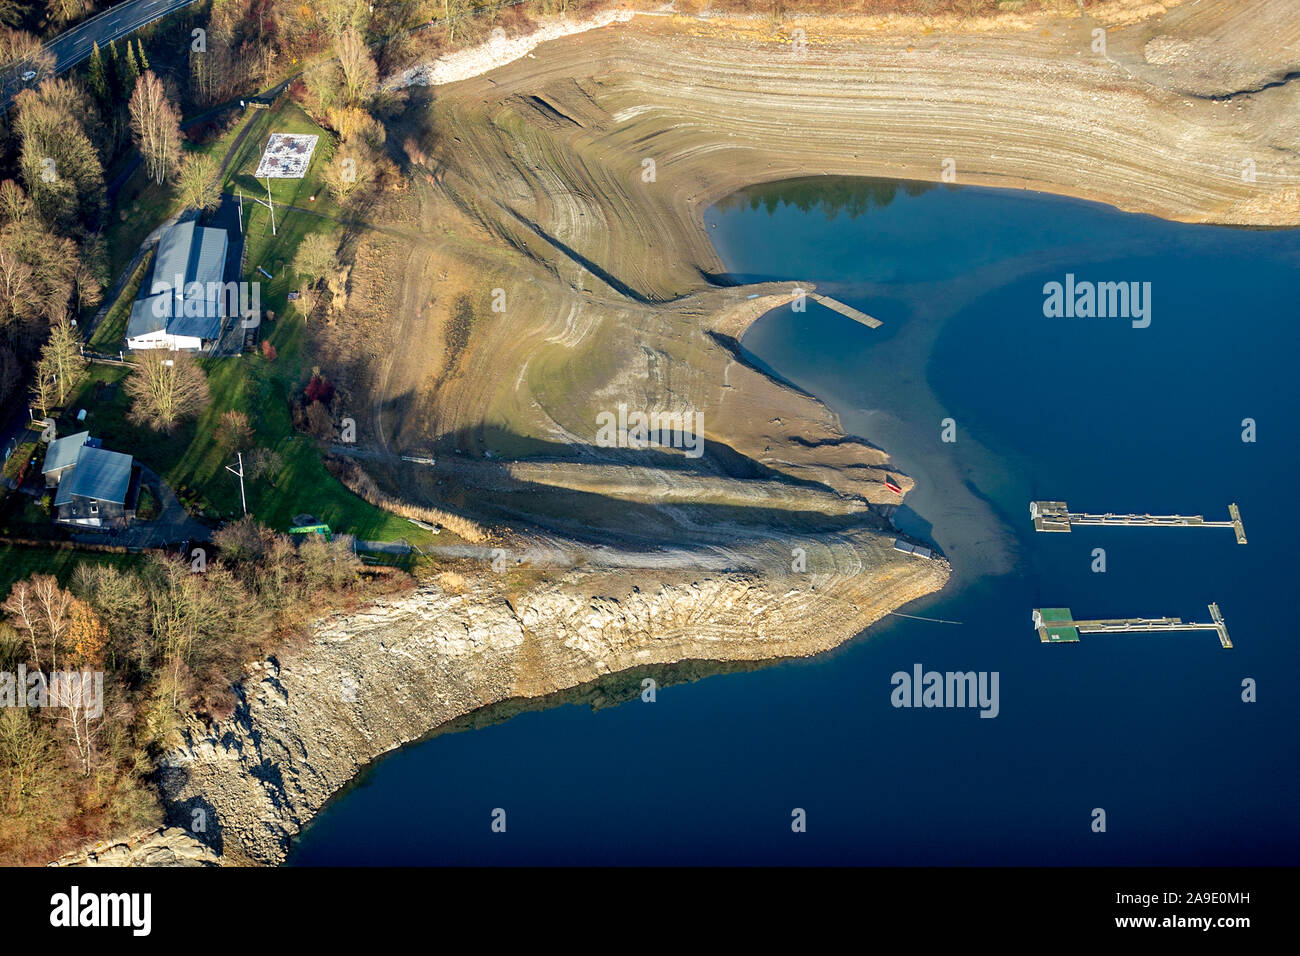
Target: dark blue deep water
(1107, 417)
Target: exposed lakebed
(1090, 410)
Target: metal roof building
(63, 452)
(100, 475)
(185, 299)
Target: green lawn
(111, 332)
(19, 561)
(189, 458)
(22, 452)
(269, 251)
(140, 206)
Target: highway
(73, 46)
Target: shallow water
(1105, 416)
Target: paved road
(72, 47)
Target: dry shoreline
(538, 189)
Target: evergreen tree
(132, 68)
(144, 61)
(98, 75)
(115, 69)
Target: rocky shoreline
(374, 679)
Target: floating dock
(846, 310)
(1056, 516)
(1056, 625)
(908, 548)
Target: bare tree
(233, 431)
(353, 168)
(359, 73)
(59, 162)
(19, 297)
(166, 388)
(25, 764)
(60, 12)
(12, 12)
(196, 181)
(14, 204)
(156, 126)
(339, 15)
(44, 391)
(452, 12)
(61, 360)
(41, 612)
(21, 51)
(316, 257)
(81, 707)
(38, 274)
(264, 463)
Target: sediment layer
(372, 680)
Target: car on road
(29, 76)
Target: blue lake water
(1092, 411)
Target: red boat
(892, 485)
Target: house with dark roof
(95, 487)
(188, 304)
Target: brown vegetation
(166, 388)
(362, 484)
(169, 640)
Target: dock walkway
(836, 305)
(1056, 625)
(1056, 516)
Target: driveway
(172, 526)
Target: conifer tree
(144, 61)
(98, 75)
(132, 68)
(115, 68)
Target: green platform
(1049, 634)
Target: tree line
(171, 638)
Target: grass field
(111, 332)
(274, 252)
(22, 452)
(19, 561)
(141, 205)
(190, 459)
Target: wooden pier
(1056, 516)
(846, 310)
(1056, 625)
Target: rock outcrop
(171, 846)
(371, 680)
